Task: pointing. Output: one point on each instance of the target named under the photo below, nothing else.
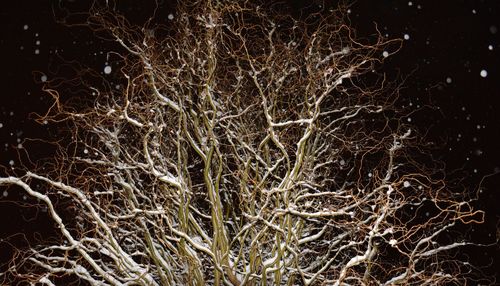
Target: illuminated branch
(243, 150)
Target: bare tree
(244, 147)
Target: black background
(448, 39)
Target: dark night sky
(451, 54)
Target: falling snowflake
(493, 29)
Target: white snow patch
(107, 69)
(393, 242)
(170, 16)
(490, 47)
(385, 54)
(11, 162)
(483, 73)
(80, 269)
(5, 193)
(448, 80)
(406, 36)
(406, 184)
(43, 78)
(389, 190)
(105, 251)
(25, 27)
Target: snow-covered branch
(243, 151)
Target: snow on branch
(244, 150)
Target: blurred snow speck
(107, 69)
(493, 29)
